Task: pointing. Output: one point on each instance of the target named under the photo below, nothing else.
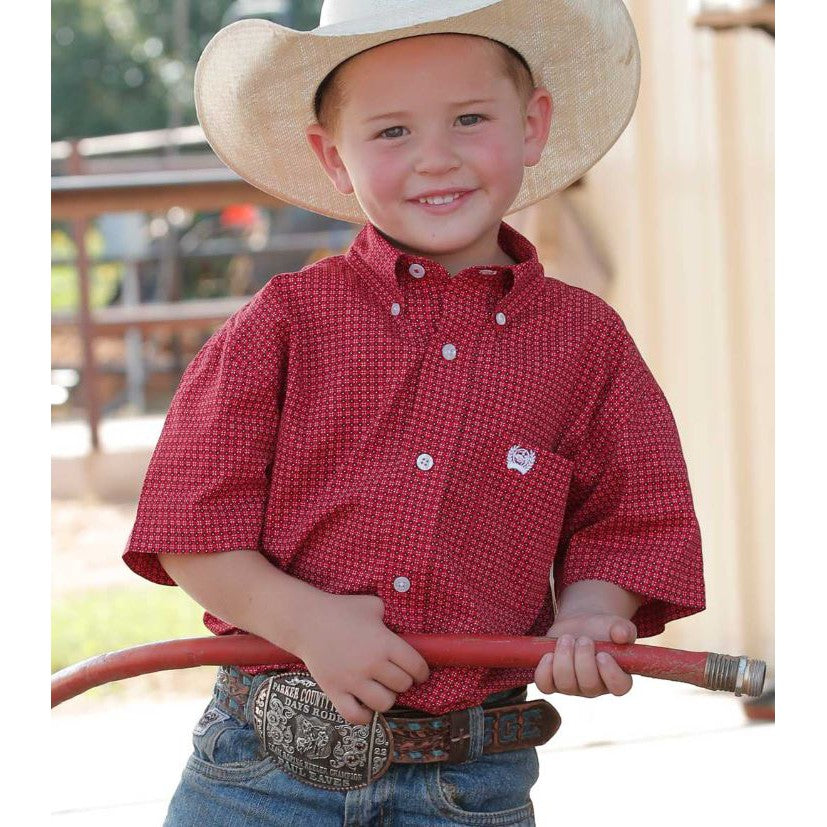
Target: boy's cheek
(377, 184)
(387, 182)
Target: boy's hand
(574, 669)
(360, 663)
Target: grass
(94, 621)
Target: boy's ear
(537, 125)
(325, 150)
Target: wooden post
(90, 383)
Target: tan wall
(682, 210)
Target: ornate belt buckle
(309, 740)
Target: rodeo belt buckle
(308, 739)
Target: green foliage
(104, 278)
(104, 281)
(115, 66)
(92, 622)
(103, 80)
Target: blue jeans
(229, 781)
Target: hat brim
(255, 83)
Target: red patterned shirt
(374, 425)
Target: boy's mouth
(443, 203)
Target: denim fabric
(229, 781)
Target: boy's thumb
(623, 632)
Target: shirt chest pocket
(517, 496)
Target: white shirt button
(395, 309)
(424, 462)
(449, 351)
(402, 584)
(416, 270)
(500, 318)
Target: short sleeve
(629, 518)
(207, 484)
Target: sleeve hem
(658, 608)
(145, 562)
(148, 566)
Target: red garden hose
(740, 675)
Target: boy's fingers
(409, 660)
(623, 631)
(588, 677)
(562, 666)
(377, 697)
(394, 677)
(616, 680)
(351, 710)
(542, 674)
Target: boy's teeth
(439, 199)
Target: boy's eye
(396, 131)
(384, 132)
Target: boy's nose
(436, 156)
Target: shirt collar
(381, 264)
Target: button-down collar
(383, 267)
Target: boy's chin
(441, 241)
(445, 231)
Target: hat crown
(337, 12)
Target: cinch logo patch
(520, 459)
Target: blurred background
(155, 243)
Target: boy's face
(458, 128)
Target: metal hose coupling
(730, 673)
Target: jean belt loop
(256, 682)
(476, 720)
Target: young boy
(423, 435)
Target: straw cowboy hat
(256, 80)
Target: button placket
(463, 310)
(458, 311)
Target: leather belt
(302, 730)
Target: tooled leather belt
(300, 728)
